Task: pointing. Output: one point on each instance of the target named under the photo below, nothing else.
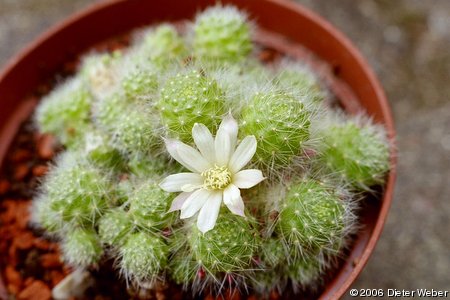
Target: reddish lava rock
(21, 155)
(51, 260)
(24, 240)
(28, 281)
(56, 277)
(22, 213)
(21, 172)
(268, 55)
(4, 186)
(42, 244)
(38, 290)
(13, 278)
(39, 170)
(46, 146)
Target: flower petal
(187, 156)
(246, 179)
(176, 182)
(243, 154)
(191, 187)
(233, 200)
(208, 214)
(204, 141)
(178, 201)
(232, 128)
(171, 146)
(222, 145)
(194, 202)
(193, 158)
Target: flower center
(216, 178)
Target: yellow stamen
(216, 178)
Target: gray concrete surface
(407, 43)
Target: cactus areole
(189, 159)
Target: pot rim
(341, 282)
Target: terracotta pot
(286, 27)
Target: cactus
(306, 272)
(99, 150)
(300, 81)
(100, 73)
(271, 258)
(222, 34)
(228, 248)
(45, 216)
(114, 226)
(280, 123)
(149, 205)
(312, 219)
(356, 150)
(65, 113)
(140, 83)
(143, 257)
(225, 253)
(160, 47)
(190, 98)
(107, 110)
(135, 132)
(267, 200)
(81, 247)
(76, 190)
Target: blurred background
(407, 42)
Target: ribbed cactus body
(162, 46)
(305, 272)
(114, 226)
(280, 123)
(100, 73)
(358, 154)
(66, 112)
(312, 218)
(143, 257)
(222, 34)
(300, 82)
(188, 98)
(140, 84)
(228, 248)
(135, 131)
(77, 190)
(81, 248)
(149, 205)
(99, 150)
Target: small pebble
(45, 146)
(28, 281)
(56, 277)
(21, 172)
(50, 260)
(4, 186)
(21, 155)
(24, 240)
(38, 290)
(39, 170)
(267, 55)
(13, 277)
(41, 244)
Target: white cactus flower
(216, 173)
